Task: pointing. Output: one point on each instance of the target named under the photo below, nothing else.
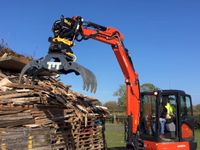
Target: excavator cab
(167, 120)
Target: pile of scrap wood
(45, 115)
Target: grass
(197, 138)
(115, 136)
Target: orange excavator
(146, 128)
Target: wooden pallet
(48, 116)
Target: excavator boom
(114, 38)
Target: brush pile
(47, 114)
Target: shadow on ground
(116, 148)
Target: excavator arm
(114, 38)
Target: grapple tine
(86, 77)
(83, 74)
(93, 83)
(30, 66)
(89, 79)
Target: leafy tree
(196, 112)
(121, 93)
(148, 87)
(112, 106)
(196, 109)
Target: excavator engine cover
(57, 63)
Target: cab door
(148, 116)
(186, 118)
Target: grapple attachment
(58, 63)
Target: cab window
(148, 115)
(185, 108)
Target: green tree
(196, 112)
(196, 109)
(112, 106)
(121, 93)
(148, 87)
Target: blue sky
(163, 38)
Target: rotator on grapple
(60, 58)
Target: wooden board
(48, 115)
(13, 63)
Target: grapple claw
(57, 63)
(89, 79)
(31, 69)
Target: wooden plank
(15, 123)
(7, 112)
(21, 101)
(17, 116)
(15, 95)
(13, 63)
